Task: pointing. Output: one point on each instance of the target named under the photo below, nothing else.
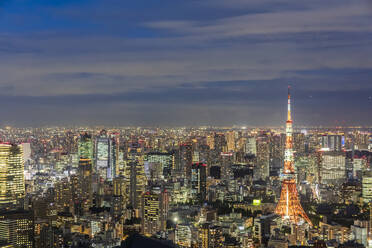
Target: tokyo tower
(289, 206)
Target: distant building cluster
(186, 187)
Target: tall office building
(120, 196)
(102, 153)
(359, 165)
(220, 144)
(183, 235)
(154, 211)
(85, 171)
(12, 185)
(185, 160)
(263, 159)
(26, 148)
(210, 141)
(333, 168)
(115, 151)
(299, 143)
(367, 186)
(210, 236)
(107, 155)
(159, 164)
(230, 139)
(17, 229)
(137, 183)
(251, 146)
(85, 147)
(135, 173)
(62, 194)
(332, 142)
(276, 154)
(199, 181)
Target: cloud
(344, 18)
(192, 59)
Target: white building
(183, 235)
(251, 146)
(26, 147)
(367, 186)
(333, 168)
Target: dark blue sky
(191, 62)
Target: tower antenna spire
(289, 118)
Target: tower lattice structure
(289, 206)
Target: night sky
(191, 62)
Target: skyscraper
(183, 235)
(103, 155)
(332, 142)
(367, 186)
(251, 146)
(119, 198)
(210, 236)
(263, 159)
(220, 144)
(114, 167)
(137, 183)
(199, 181)
(12, 185)
(17, 229)
(154, 211)
(185, 160)
(163, 161)
(333, 168)
(230, 139)
(85, 170)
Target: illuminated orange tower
(289, 206)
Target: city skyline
(186, 187)
(185, 63)
(185, 123)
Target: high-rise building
(210, 236)
(12, 184)
(220, 144)
(154, 211)
(17, 228)
(332, 142)
(85, 171)
(199, 181)
(185, 160)
(360, 232)
(26, 148)
(230, 138)
(85, 147)
(251, 146)
(135, 173)
(163, 162)
(63, 194)
(358, 166)
(210, 141)
(183, 235)
(136, 184)
(367, 186)
(276, 154)
(299, 143)
(120, 195)
(114, 166)
(333, 168)
(107, 155)
(263, 159)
